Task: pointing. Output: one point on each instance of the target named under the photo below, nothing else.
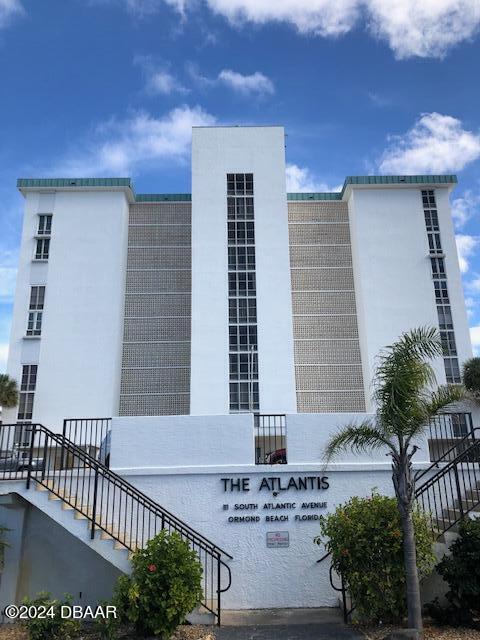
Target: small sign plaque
(278, 539)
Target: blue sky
(113, 87)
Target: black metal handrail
(110, 503)
(90, 434)
(457, 450)
(448, 495)
(446, 429)
(454, 488)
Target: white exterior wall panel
(79, 351)
(216, 152)
(393, 281)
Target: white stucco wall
(187, 441)
(454, 279)
(43, 556)
(393, 282)
(263, 577)
(217, 151)
(79, 352)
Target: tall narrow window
(452, 369)
(242, 303)
(27, 391)
(35, 313)
(44, 224)
(42, 249)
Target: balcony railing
(449, 435)
(270, 439)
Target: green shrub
(165, 585)
(461, 570)
(52, 626)
(108, 627)
(366, 543)
(471, 376)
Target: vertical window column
(439, 276)
(27, 391)
(242, 301)
(35, 313)
(44, 231)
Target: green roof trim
(163, 197)
(46, 183)
(426, 179)
(106, 183)
(328, 195)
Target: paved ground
(285, 624)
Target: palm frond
(402, 373)
(8, 391)
(359, 438)
(444, 396)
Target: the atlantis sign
(300, 511)
(276, 484)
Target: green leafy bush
(461, 570)
(165, 585)
(471, 376)
(52, 626)
(365, 539)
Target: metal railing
(454, 488)
(270, 438)
(110, 504)
(91, 435)
(450, 486)
(448, 432)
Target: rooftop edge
(126, 183)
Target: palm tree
(471, 377)
(406, 399)
(8, 391)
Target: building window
(27, 391)
(452, 370)
(44, 224)
(35, 313)
(42, 249)
(442, 300)
(448, 343)
(242, 303)
(240, 184)
(441, 292)
(438, 268)
(434, 243)
(444, 317)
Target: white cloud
(254, 83)
(8, 274)
(301, 179)
(435, 144)
(475, 338)
(142, 8)
(164, 82)
(464, 208)
(318, 17)
(378, 100)
(429, 28)
(118, 147)
(466, 246)
(3, 357)
(411, 28)
(158, 78)
(9, 9)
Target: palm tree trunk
(414, 605)
(404, 483)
